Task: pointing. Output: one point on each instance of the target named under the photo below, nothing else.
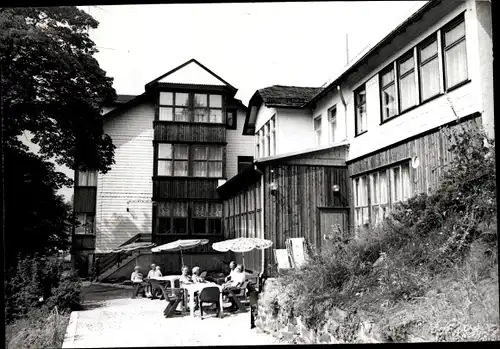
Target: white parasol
(134, 246)
(180, 245)
(242, 245)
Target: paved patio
(112, 319)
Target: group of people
(140, 283)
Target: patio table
(163, 280)
(193, 288)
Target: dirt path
(114, 320)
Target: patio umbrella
(180, 245)
(133, 247)
(242, 245)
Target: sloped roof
(287, 96)
(191, 63)
(120, 99)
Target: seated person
(232, 267)
(149, 292)
(196, 275)
(137, 281)
(158, 272)
(185, 278)
(237, 280)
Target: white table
(191, 289)
(170, 278)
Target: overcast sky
(251, 46)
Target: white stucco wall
(237, 145)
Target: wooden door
(333, 223)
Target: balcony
(172, 131)
(185, 188)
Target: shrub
(36, 282)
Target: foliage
(41, 328)
(52, 85)
(40, 283)
(426, 238)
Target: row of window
(242, 213)
(266, 138)
(377, 192)
(332, 126)
(190, 160)
(199, 218)
(437, 64)
(190, 107)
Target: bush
(39, 329)
(38, 282)
(423, 240)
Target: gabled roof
(189, 68)
(277, 96)
(287, 96)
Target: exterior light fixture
(336, 188)
(273, 187)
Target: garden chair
(210, 295)
(174, 297)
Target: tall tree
(52, 86)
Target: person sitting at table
(196, 275)
(158, 272)
(137, 281)
(185, 278)
(149, 291)
(232, 267)
(237, 280)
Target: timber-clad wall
(431, 149)
(292, 211)
(185, 188)
(82, 242)
(85, 199)
(189, 132)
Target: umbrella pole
(243, 260)
(182, 259)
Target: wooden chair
(210, 295)
(173, 298)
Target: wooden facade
(431, 148)
(172, 131)
(84, 199)
(185, 188)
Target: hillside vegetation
(429, 272)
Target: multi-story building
(371, 138)
(175, 144)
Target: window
(429, 69)
(86, 224)
(172, 217)
(172, 159)
(231, 119)
(86, 178)
(273, 135)
(268, 139)
(176, 160)
(207, 161)
(332, 121)
(455, 54)
(244, 162)
(261, 137)
(190, 107)
(360, 107)
(207, 218)
(376, 192)
(361, 215)
(407, 83)
(317, 130)
(388, 92)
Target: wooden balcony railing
(185, 188)
(189, 132)
(82, 242)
